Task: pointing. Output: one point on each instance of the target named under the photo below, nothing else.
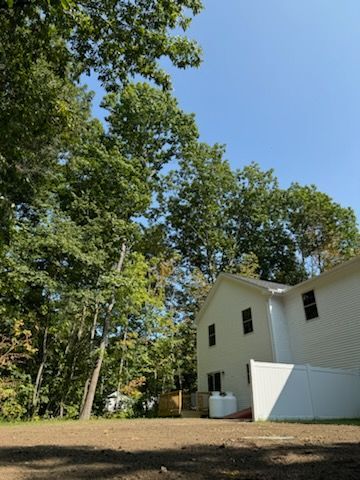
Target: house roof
(271, 288)
(118, 395)
(264, 283)
(339, 268)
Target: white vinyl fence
(283, 391)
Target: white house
(316, 322)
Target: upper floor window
(247, 321)
(310, 307)
(212, 339)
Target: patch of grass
(61, 421)
(13, 423)
(338, 421)
(327, 421)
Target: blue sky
(280, 85)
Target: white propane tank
(230, 403)
(216, 405)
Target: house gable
(239, 281)
(233, 348)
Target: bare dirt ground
(168, 449)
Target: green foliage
(10, 408)
(104, 258)
(40, 110)
(116, 38)
(249, 265)
(242, 222)
(148, 124)
(324, 233)
(199, 191)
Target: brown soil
(169, 449)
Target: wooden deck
(179, 404)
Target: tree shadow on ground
(336, 461)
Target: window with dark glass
(214, 382)
(212, 339)
(310, 307)
(247, 321)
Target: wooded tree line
(112, 235)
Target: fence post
(253, 390)
(308, 372)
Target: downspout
(271, 327)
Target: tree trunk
(39, 376)
(90, 394)
(85, 391)
(72, 352)
(92, 336)
(89, 400)
(121, 367)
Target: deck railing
(172, 404)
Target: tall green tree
(243, 222)
(196, 208)
(324, 233)
(109, 183)
(257, 227)
(221, 220)
(45, 47)
(72, 196)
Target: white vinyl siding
(233, 349)
(333, 338)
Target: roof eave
(337, 269)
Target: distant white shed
(117, 402)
